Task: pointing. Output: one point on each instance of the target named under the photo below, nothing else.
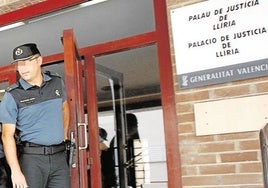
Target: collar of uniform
(26, 85)
(46, 77)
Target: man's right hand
(18, 180)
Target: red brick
(233, 91)
(200, 181)
(250, 167)
(238, 136)
(185, 118)
(193, 96)
(239, 157)
(187, 150)
(216, 147)
(198, 159)
(182, 108)
(190, 170)
(241, 179)
(217, 169)
(186, 128)
(249, 145)
(262, 87)
(191, 137)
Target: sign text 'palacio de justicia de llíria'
(219, 41)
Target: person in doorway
(132, 134)
(102, 138)
(36, 105)
(5, 179)
(132, 127)
(107, 161)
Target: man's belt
(31, 148)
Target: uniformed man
(36, 105)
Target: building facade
(213, 160)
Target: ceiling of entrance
(99, 23)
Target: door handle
(85, 135)
(72, 155)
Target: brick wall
(10, 5)
(218, 161)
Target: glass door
(83, 77)
(144, 144)
(113, 159)
(102, 79)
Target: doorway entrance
(85, 79)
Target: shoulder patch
(52, 74)
(13, 86)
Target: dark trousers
(5, 178)
(46, 171)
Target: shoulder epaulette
(11, 87)
(52, 74)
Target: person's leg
(8, 174)
(35, 169)
(60, 174)
(3, 176)
(5, 179)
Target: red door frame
(35, 10)
(8, 73)
(92, 109)
(74, 86)
(160, 37)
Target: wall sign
(218, 41)
(211, 117)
